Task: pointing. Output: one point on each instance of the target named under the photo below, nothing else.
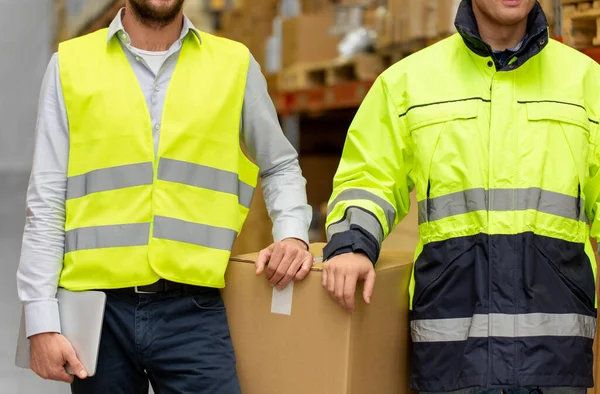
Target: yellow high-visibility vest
(134, 215)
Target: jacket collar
(537, 33)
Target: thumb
(75, 364)
(369, 286)
(263, 258)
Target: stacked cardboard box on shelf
(300, 341)
(306, 39)
(250, 23)
(407, 21)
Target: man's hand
(341, 274)
(285, 261)
(50, 352)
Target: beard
(156, 16)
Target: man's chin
(157, 12)
(512, 17)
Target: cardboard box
(314, 6)
(318, 348)
(306, 39)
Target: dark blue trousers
(177, 341)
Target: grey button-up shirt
(43, 241)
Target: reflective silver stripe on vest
(205, 177)
(194, 233)
(473, 200)
(113, 236)
(503, 325)
(359, 194)
(360, 218)
(109, 179)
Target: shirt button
(156, 89)
(157, 127)
(490, 63)
(137, 58)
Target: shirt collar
(116, 28)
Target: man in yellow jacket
(497, 130)
(140, 187)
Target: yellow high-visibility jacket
(134, 215)
(505, 162)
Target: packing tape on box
(281, 301)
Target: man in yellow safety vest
(140, 187)
(496, 128)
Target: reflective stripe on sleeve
(359, 194)
(358, 217)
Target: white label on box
(281, 302)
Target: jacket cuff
(355, 240)
(42, 317)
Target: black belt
(163, 286)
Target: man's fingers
(76, 365)
(324, 278)
(331, 281)
(282, 268)
(369, 286)
(276, 256)
(263, 258)
(305, 268)
(62, 376)
(339, 288)
(349, 289)
(291, 273)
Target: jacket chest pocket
(555, 144)
(450, 145)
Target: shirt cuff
(290, 228)
(41, 317)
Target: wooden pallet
(581, 23)
(364, 67)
